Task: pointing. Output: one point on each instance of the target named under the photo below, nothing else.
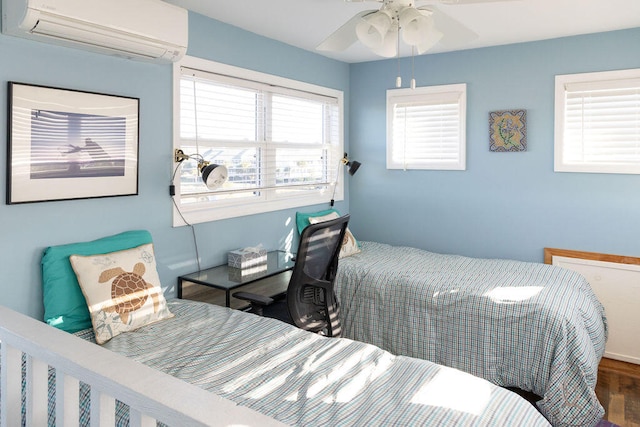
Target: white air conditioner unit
(137, 29)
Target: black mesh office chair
(310, 302)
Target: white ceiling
(306, 23)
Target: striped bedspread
(532, 326)
(307, 380)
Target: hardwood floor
(618, 390)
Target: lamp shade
(389, 46)
(353, 167)
(433, 35)
(372, 29)
(414, 26)
(418, 29)
(214, 176)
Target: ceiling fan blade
(455, 33)
(344, 36)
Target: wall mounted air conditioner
(136, 29)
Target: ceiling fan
(420, 27)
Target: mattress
(532, 326)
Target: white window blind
(281, 146)
(598, 122)
(426, 128)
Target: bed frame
(110, 377)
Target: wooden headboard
(549, 253)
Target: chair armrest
(322, 284)
(254, 298)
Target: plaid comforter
(532, 326)
(304, 379)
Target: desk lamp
(213, 175)
(353, 168)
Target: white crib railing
(150, 394)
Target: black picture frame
(65, 144)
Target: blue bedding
(304, 379)
(532, 326)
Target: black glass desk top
(226, 278)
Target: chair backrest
(310, 296)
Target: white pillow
(349, 243)
(122, 290)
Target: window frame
(429, 94)
(217, 210)
(594, 81)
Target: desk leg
(228, 297)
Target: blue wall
(505, 204)
(29, 228)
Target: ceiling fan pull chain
(398, 79)
(413, 77)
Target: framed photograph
(508, 131)
(68, 144)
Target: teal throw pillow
(302, 219)
(64, 304)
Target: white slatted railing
(151, 395)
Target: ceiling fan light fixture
(457, 34)
(431, 39)
(389, 46)
(415, 26)
(373, 28)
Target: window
(426, 128)
(597, 122)
(281, 141)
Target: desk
(214, 285)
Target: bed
(531, 326)
(136, 355)
(300, 378)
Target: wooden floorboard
(618, 390)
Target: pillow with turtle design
(349, 244)
(122, 290)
